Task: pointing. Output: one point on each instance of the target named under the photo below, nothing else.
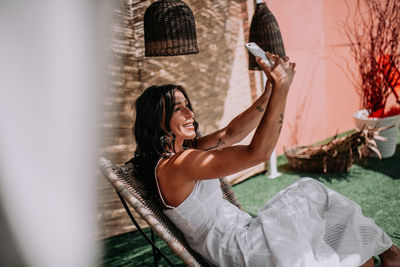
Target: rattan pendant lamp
(169, 29)
(264, 31)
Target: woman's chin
(190, 136)
(186, 134)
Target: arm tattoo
(281, 119)
(281, 122)
(219, 143)
(260, 109)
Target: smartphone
(258, 52)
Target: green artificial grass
(131, 249)
(374, 186)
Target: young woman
(306, 224)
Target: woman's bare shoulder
(182, 166)
(174, 187)
(167, 167)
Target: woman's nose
(189, 113)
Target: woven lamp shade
(264, 31)
(169, 29)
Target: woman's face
(181, 123)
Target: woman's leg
(391, 257)
(369, 263)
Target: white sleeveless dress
(307, 224)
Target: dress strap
(166, 206)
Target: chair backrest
(133, 191)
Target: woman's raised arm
(240, 126)
(194, 164)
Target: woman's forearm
(269, 128)
(249, 119)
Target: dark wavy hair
(152, 142)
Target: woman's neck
(178, 145)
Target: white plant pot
(387, 148)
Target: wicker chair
(131, 190)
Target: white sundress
(306, 224)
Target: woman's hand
(281, 73)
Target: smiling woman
(307, 224)
(155, 107)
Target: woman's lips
(189, 125)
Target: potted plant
(374, 35)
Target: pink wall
(322, 100)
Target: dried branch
(374, 43)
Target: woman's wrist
(264, 99)
(282, 89)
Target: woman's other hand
(281, 73)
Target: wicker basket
(336, 155)
(322, 163)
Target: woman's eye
(177, 109)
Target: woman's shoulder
(164, 164)
(170, 164)
(175, 187)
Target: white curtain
(48, 113)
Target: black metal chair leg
(157, 254)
